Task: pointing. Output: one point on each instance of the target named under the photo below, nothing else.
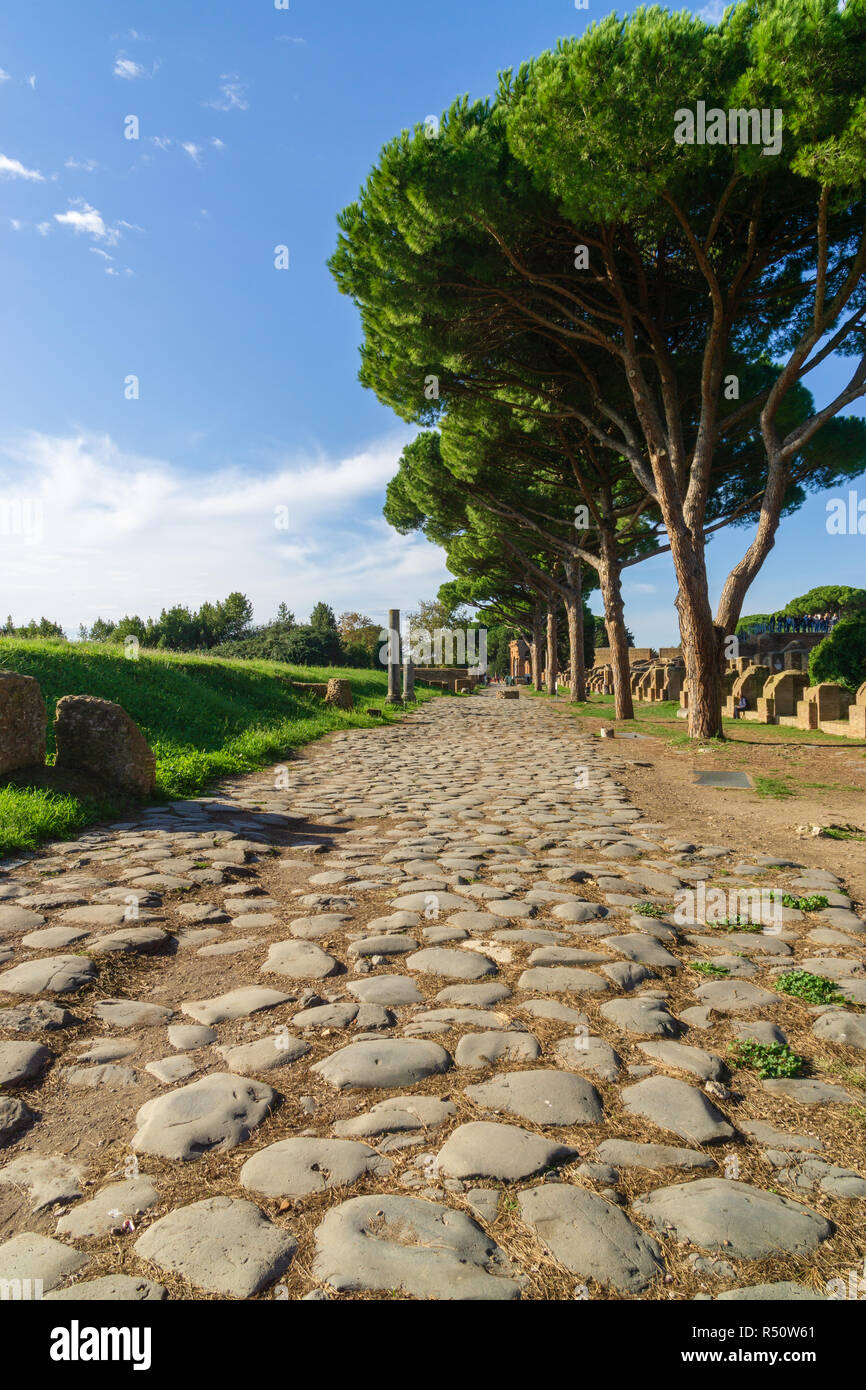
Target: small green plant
(736, 924)
(813, 989)
(813, 903)
(843, 832)
(775, 787)
(706, 967)
(652, 909)
(769, 1060)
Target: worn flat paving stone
(221, 1244)
(421, 1248)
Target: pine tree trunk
(552, 657)
(574, 611)
(702, 645)
(611, 593)
(535, 646)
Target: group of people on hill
(797, 622)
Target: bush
(841, 657)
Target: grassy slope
(204, 717)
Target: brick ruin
(93, 736)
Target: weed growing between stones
(814, 903)
(769, 1060)
(813, 989)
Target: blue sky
(154, 258)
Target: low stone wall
(98, 737)
(22, 722)
(454, 678)
(319, 688)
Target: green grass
(775, 787)
(204, 717)
(706, 967)
(29, 815)
(767, 1059)
(660, 720)
(814, 989)
(651, 910)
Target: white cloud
(85, 220)
(126, 67)
(14, 169)
(194, 151)
(15, 224)
(88, 221)
(31, 80)
(85, 166)
(125, 533)
(162, 142)
(712, 12)
(635, 588)
(232, 95)
(4, 75)
(43, 228)
(217, 143)
(289, 38)
(97, 251)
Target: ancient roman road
(412, 1016)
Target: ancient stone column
(408, 678)
(393, 696)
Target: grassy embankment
(203, 717)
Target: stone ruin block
(317, 688)
(339, 693)
(99, 737)
(822, 703)
(750, 683)
(857, 714)
(795, 659)
(22, 722)
(781, 695)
